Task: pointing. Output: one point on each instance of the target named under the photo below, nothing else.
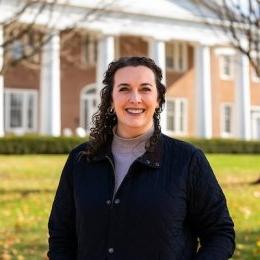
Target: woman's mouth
(135, 111)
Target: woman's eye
(123, 89)
(146, 89)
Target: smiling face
(134, 98)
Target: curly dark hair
(103, 120)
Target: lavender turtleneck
(125, 152)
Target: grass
(28, 183)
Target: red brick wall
(132, 46)
(22, 77)
(222, 92)
(255, 91)
(182, 85)
(74, 77)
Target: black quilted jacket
(169, 203)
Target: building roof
(175, 9)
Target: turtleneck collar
(130, 145)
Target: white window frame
(176, 56)
(83, 96)
(177, 116)
(92, 60)
(223, 75)
(24, 128)
(255, 115)
(223, 133)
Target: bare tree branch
(17, 31)
(240, 20)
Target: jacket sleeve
(209, 214)
(62, 230)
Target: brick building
(211, 89)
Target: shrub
(218, 145)
(62, 145)
(38, 144)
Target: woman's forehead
(134, 73)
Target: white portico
(50, 109)
(203, 91)
(159, 23)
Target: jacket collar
(150, 159)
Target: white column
(50, 110)
(1, 82)
(242, 97)
(158, 54)
(106, 54)
(203, 91)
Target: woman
(132, 193)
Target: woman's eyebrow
(128, 85)
(123, 85)
(146, 83)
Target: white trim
(106, 54)
(83, 96)
(24, 128)
(255, 116)
(225, 51)
(92, 48)
(203, 91)
(50, 87)
(242, 97)
(176, 56)
(224, 76)
(255, 108)
(177, 116)
(157, 50)
(223, 133)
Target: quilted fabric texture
(168, 201)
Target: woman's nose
(135, 97)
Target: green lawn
(28, 183)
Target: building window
(171, 115)
(176, 116)
(17, 50)
(176, 56)
(89, 49)
(24, 47)
(255, 122)
(226, 116)
(226, 67)
(88, 106)
(20, 111)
